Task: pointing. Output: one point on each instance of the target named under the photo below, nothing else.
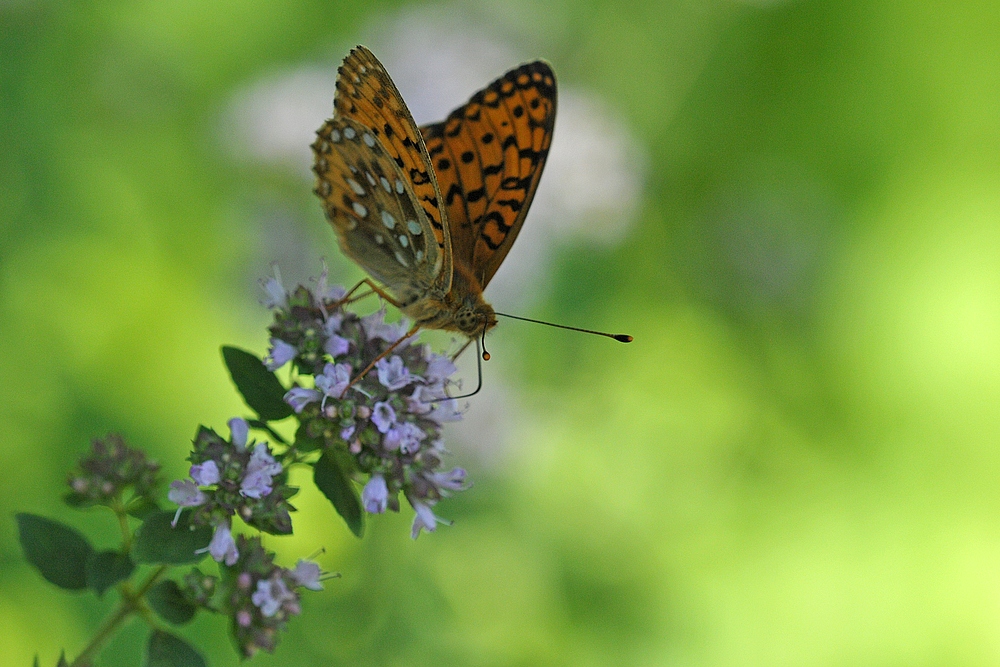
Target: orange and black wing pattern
(367, 95)
(488, 156)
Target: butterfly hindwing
(371, 205)
(367, 95)
(488, 156)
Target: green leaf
(141, 507)
(331, 480)
(167, 650)
(57, 551)
(304, 442)
(167, 600)
(107, 568)
(156, 541)
(78, 502)
(260, 387)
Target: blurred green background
(795, 463)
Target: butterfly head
(474, 317)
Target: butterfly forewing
(367, 95)
(488, 156)
(371, 204)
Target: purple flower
(334, 380)
(376, 327)
(300, 397)
(185, 493)
(239, 430)
(270, 595)
(405, 437)
(393, 374)
(276, 295)
(347, 432)
(261, 468)
(281, 353)
(420, 401)
(205, 474)
(439, 367)
(307, 574)
(425, 519)
(332, 324)
(223, 546)
(325, 293)
(446, 411)
(336, 346)
(375, 495)
(451, 481)
(383, 416)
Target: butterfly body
(431, 212)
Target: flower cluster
(234, 477)
(110, 469)
(199, 588)
(260, 596)
(389, 420)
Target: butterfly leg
(379, 358)
(375, 289)
(461, 350)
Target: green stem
(131, 604)
(123, 524)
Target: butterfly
(431, 212)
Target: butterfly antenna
(479, 372)
(621, 338)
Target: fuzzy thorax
(462, 308)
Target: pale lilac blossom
(300, 397)
(439, 367)
(446, 411)
(260, 470)
(332, 324)
(185, 493)
(375, 495)
(423, 398)
(393, 374)
(306, 574)
(281, 353)
(324, 292)
(376, 327)
(239, 430)
(383, 416)
(271, 594)
(405, 437)
(222, 548)
(334, 380)
(205, 474)
(336, 346)
(454, 480)
(425, 519)
(277, 297)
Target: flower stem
(131, 604)
(119, 510)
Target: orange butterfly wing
(366, 94)
(488, 156)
